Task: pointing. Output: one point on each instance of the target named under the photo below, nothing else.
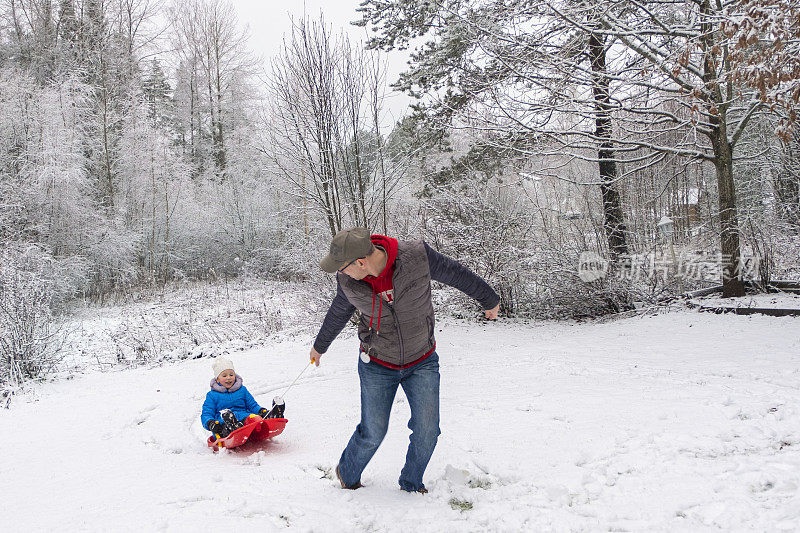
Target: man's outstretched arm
(451, 272)
(336, 318)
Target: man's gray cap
(347, 246)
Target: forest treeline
(143, 142)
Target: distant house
(688, 207)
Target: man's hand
(491, 314)
(315, 355)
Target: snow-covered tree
(212, 58)
(324, 126)
(506, 72)
(615, 83)
(766, 53)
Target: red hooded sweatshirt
(382, 283)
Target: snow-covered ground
(682, 421)
(187, 321)
(783, 300)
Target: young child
(228, 404)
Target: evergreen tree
(157, 94)
(480, 70)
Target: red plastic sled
(255, 429)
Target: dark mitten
(217, 429)
(263, 412)
(229, 419)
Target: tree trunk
(716, 106)
(153, 195)
(106, 151)
(305, 200)
(192, 93)
(614, 224)
(219, 140)
(729, 223)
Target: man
(389, 282)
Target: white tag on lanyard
(365, 357)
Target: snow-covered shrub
(767, 176)
(287, 254)
(32, 285)
(528, 252)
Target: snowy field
(677, 422)
(188, 320)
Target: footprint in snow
(143, 415)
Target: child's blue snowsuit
(238, 399)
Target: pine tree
(157, 94)
(475, 52)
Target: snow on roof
(690, 196)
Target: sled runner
(255, 429)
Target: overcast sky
(269, 20)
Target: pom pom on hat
(220, 365)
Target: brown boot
(352, 487)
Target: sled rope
(295, 379)
(291, 385)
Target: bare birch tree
(324, 126)
(212, 57)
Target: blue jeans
(378, 388)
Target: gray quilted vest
(407, 324)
